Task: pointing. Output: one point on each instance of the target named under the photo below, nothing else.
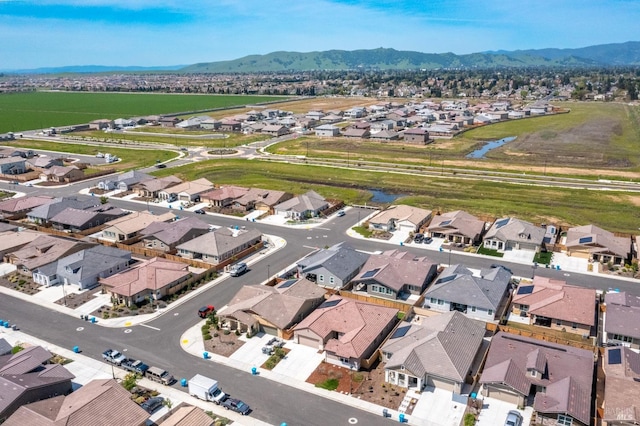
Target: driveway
(494, 412)
(437, 408)
(519, 256)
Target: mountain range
(604, 55)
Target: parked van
(238, 269)
(160, 376)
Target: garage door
(503, 395)
(269, 330)
(308, 341)
(440, 384)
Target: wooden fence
(404, 307)
(548, 338)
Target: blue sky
(46, 33)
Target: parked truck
(135, 366)
(207, 389)
(113, 356)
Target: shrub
(237, 332)
(130, 381)
(105, 315)
(17, 348)
(207, 336)
(226, 332)
(469, 419)
(139, 400)
(215, 334)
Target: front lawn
(543, 257)
(489, 252)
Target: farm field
(38, 110)
(614, 211)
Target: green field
(610, 210)
(39, 110)
(231, 139)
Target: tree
(130, 381)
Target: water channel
(480, 153)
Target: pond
(380, 196)
(480, 153)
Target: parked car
(161, 166)
(199, 211)
(238, 269)
(427, 240)
(236, 405)
(152, 404)
(341, 213)
(205, 310)
(418, 238)
(514, 418)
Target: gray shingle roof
(512, 229)
(49, 210)
(340, 259)
(220, 241)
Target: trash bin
(385, 413)
(183, 383)
(254, 371)
(401, 418)
(205, 355)
(76, 349)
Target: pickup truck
(113, 356)
(135, 366)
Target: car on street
(199, 211)
(236, 405)
(514, 418)
(152, 404)
(161, 166)
(205, 310)
(238, 269)
(341, 213)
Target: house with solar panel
(621, 387)
(456, 227)
(556, 305)
(555, 379)
(597, 245)
(482, 296)
(622, 319)
(441, 351)
(514, 234)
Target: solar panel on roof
(584, 240)
(329, 304)
(446, 279)
(401, 331)
(370, 273)
(615, 356)
(287, 284)
(446, 222)
(526, 289)
(501, 223)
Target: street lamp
(449, 255)
(268, 274)
(533, 269)
(64, 295)
(351, 368)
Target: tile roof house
(385, 135)
(332, 267)
(123, 181)
(304, 206)
(327, 131)
(621, 387)
(43, 250)
(260, 199)
(13, 165)
(223, 196)
(457, 227)
(43, 214)
(511, 233)
(93, 404)
(271, 310)
(44, 162)
(347, 330)
(165, 236)
(400, 217)
(12, 240)
(394, 275)
(480, 297)
(186, 191)
(219, 245)
(187, 415)
(62, 174)
(442, 351)
(152, 187)
(275, 130)
(129, 226)
(622, 319)
(598, 245)
(354, 133)
(78, 220)
(152, 279)
(556, 305)
(16, 207)
(416, 135)
(25, 378)
(83, 268)
(558, 378)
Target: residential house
(514, 234)
(457, 227)
(400, 218)
(355, 112)
(304, 206)
(260, 199)
(13, 165)
(187, 415)
(355, 133)
(315, 115)
(129, 226)
(12, 240)
(223, 196)
(169, 121)
(557, 378)
(5, 347)
(271, 310)
(416, 135)
(186, 191)
(622, 319)
(43, 250)
(275, 130)
(598, 245)
(554, 304)
(152, 187)
(101, 124)
(441, 351)
(123, 182)
(482, 297)
(18, 207)
(621, 387)
(62, 174)
(14, 152)
(219, 245)
(211, 124)
(27, 377)
(43, 213)
(332, 267)
(228, 125)
(378, 126)
(347, 330)
(327, 130)
(43, 162)
(150, 280)
(77, 220)
(395, 275)
(94, 403)
(385, 135)
(166, 236)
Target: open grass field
(610, 210)
(38, 110)
(177, 137)
(130, 158)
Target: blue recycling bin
(254, 371)
(205, 355)
(6, 324)
(183, 383)
(401, 243)
(76, 349)
(1, 323)
(93, 320)
(401, 418)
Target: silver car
(514, 418)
